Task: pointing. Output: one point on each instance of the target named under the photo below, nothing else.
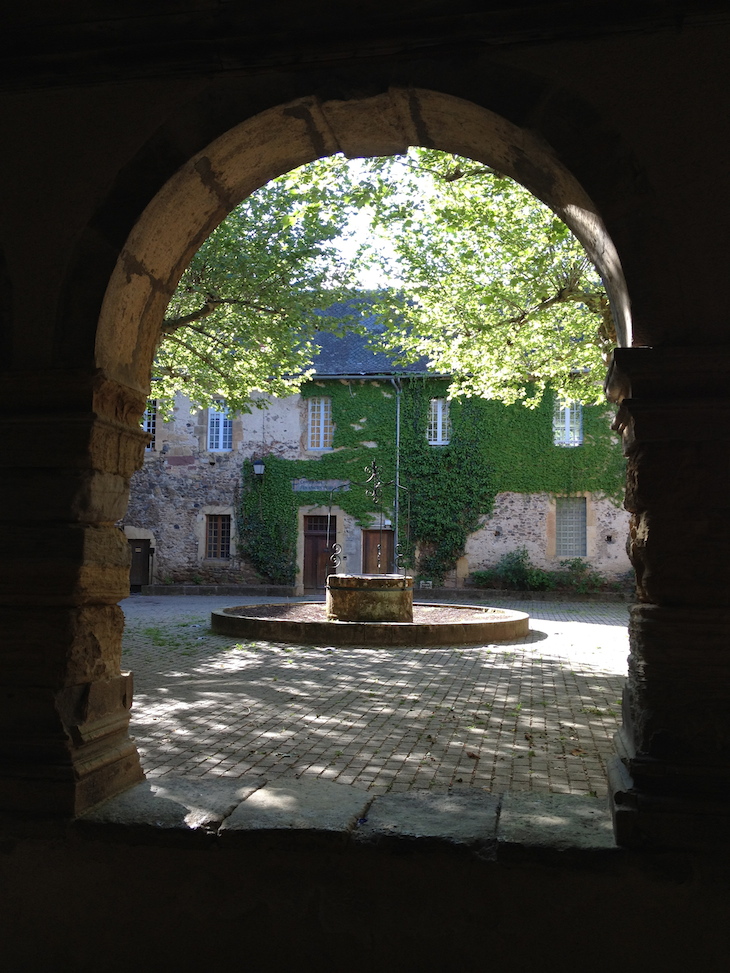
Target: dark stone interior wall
(599, 102)
(278, 905)
(98, 114)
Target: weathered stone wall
(528, 520)
(275, 430)
(172, 501)
(182, 481)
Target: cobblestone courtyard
(538, 713)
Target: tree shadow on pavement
(501, 717)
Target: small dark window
(320, 524)
(218, 537)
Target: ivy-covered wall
(445, 489)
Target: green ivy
(526, 461)
(445, 489)
(267, 521)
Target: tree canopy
(243, 316)
(467, 268)
(495, 289)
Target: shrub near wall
(445, 489)
(515, 572)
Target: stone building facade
(183, 487)
(531, 521)
(188, 491)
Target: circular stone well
(306, 624)
(369, 598)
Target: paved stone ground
(536, 714)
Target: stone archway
(87, 700)
(104, 107)
(212, 183)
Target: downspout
(396, 382)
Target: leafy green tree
(469, 271)
(243, 316)
(494, 289)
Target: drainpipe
(396, 382)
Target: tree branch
(206, 359)
(171, 325)
(213, 304)
(211, 337)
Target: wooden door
(319, 535)
(139, 572)
(377, 551)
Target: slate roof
(344, 352)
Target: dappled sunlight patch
(523, 716)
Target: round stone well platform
(306, 623)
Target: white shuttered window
(319, 424)
(567, 423)
(220, 429)
(439, 423)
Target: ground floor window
(218, 537)
(570, 527)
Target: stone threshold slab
(227, 813)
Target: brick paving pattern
(536, 714)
